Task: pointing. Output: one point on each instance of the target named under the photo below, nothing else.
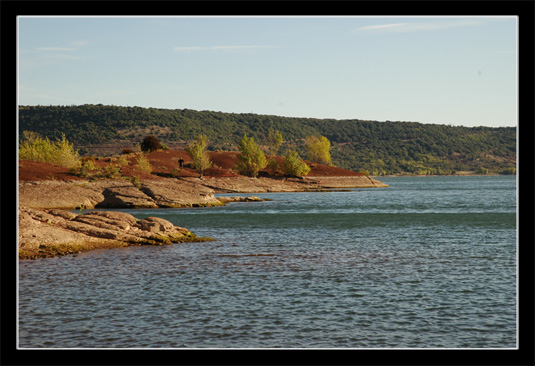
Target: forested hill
(377, 147)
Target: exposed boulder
(125, 195)
(155, 225)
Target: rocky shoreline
(47, 228)
(50, 233)
(167, 193)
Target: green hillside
(377, 147)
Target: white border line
(277, 16)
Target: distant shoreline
(441, 175)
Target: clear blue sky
(445, 70)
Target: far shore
(467, 174)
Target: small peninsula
(49, 196)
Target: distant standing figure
(181, 163)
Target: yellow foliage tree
(319, 150)
(197, 151)
(252, 159)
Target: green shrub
(144, 164)
(150, 143)
(135, 181)
(111, 170)
(89, 163)
(60, 152)
(294, 165)
(508, 171)
(121, 161)
(87, 168)
(273, 164)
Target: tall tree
(275, 141)
(319, 149)
(252, 159)
(197, 151)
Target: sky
(443, 70)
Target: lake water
(430, 262)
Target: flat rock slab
(263, 184)
(254, 185)
(179, 193)
(59, 194)
(349, 182)
(114, 194)
(44, 233)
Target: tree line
(360, 145)
(251, 159)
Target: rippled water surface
(427, 263)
